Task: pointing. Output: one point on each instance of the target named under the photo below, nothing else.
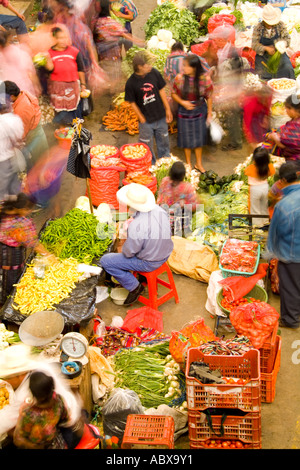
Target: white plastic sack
(216, 132)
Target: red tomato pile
(224, 444)
(239, 255)
(230, 305)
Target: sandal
(227, 147)
(197, 169)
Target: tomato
(232, 446)
(239, 445)
(225, 444)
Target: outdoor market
(149, 225)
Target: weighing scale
(74, 346)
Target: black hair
(41, 386)
(288, 171)
(293, 101)
(261, 160)
(55, 31)
(105, 10)
(177, 46)
(11, 88)
(4, 35)
(177, 172)
(21, 201)
(45, 15)
(194, 61)
(138, 60)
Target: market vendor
(17, 232)
(284, 245)
(148, 244)
(266, 34)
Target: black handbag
(87, 105)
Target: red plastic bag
(133, 165)
(220, 20)
(104, 184)
(236, 287)
(191, 336)
(256, 321)
(145, 317)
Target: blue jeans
(159, 131)
(13, 22)
(118, 266)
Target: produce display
(103, 151)
(134, 151)
(154, 56)
(65, 133)
(281, 83)
(151, 372)
(181, 22)
(97, 162)
(34, 294)
(238, 255)
(122, 118)
(224, 444)
(139, 179)
(77, 235)
(210, 182)
(230, 305)
(7, 337)
(4, 397)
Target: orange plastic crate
(245, 397)
(246, 428)
(268, 380)
(268, 352)
(146, 431)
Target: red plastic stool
(153, 280)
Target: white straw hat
(271, 15)
(137, 197)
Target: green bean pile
(77, 235)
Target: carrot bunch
(122, 118)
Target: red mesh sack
(236, 287)
(220, 20)
(256, 321)
(145, 317)
(104, 184)
(293, 58)
(139, 164)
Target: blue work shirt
(284, 233)
(149, 236)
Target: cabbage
(162, 45)
(153, 42)
(83, 203)
(164, 35)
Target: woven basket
(257, 293)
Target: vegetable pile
(103, 151)
(7, 337)
(4, 397)
(238, 255)
(230, 305)
(155, 57)
(134, 151)
(122, 118)
(38, 294)
(210, 182)
(151, 372)
(77, 235)
(181, 22)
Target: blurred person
(16, 65)
(38, 423)
(287, 137)
(11, 135)
(145, 91)
(174, 195)
(265, 36)
(16, 21)
(127, 12)
(148, 244)
(258, 173)
(67, 79)
(107, 32)
(192, 90)
(26, 106)
(284, 245)
(229, 88)
(216, 42)
(256, 105)
(17, 233)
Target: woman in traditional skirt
(192, 91)
(67, 78)
(17, 233)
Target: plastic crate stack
(149, 432)
(225, 412)
(270, 358)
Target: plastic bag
(191, 336)
(104, 185)
(120, 404)
(236, 287)
(216, 132)
(220, 20)
(87, 105)
(256, 321)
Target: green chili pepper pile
(78, 235)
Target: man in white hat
(148, 244)
(269, 36)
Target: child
(258, 173)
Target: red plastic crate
(245, 397)
(268, 380)
(147, 431)
(268, 352)
(246, 428)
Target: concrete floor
(280, 420)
